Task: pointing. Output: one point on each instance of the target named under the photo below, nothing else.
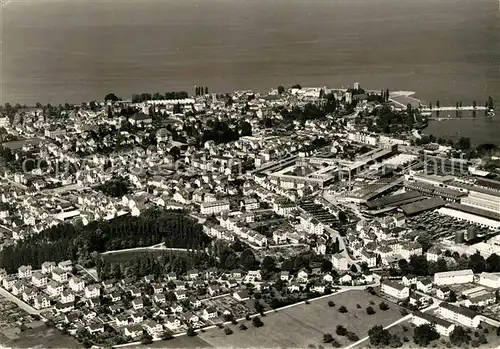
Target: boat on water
(491, 113)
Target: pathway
(25, 306)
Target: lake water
(75, 50)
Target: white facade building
(454, 277)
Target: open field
(305, 324)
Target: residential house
(92, 291)
(8, 282)
(172, 323)
(339, 262)
(133, 331)
(121, 320)
(76, 284)
(67, 297)
(41, 302)
(424, 285)
(24, 271)
(137, 304)
(152, 327)
(54, 288)
(189, 317)
(176, 308)
(241, 296)
(47, 267)
(193, 274)
(346, 279)
(66, 265)
(409, 280)
(180, 295)
(209, 313)
(159, 298)
(195, 303)
(443, 292)
(395, 289)
(442, 326)
(137, 317)
(95, 328)
(213, 290)
(369, 258)
(17, 288)
(59, 275)
(107, 284)
(462, 315)
(65, 307)
(39, 280)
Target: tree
(331, 304)
(326, 265)
(228, 331)
(146, 339)
(327, 338)
(247, 260)
(281, 89)
(297, 86)
(492, 263)
(167, 335)
(353, 268)
(463, 143)
(383, 306)
(342, 309)
(257, 322)
(424, 334)
(378, 335)
(191, 332)
(353, 337)
(395, 341)
(341, 330)
(111, 97)
(459, 336)
(477, 263)
(370, 310)
(453, 296)
(243, 327)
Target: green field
(305, 324)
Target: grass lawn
(305, 324)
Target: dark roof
(423, 205)
(394, 200)
(459, 310)
(433, 319)
(474, 211)
(140, 116)
(488, 183)
(393, 284)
